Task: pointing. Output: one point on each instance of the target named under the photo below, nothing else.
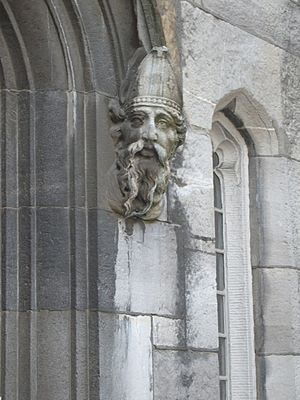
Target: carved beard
(143, 173)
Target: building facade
(199, 303)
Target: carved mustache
(141, 144)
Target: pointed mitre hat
(151, 82)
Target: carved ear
(115, 133)
(116, 112)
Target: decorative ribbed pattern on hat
(153, 101)
(155, 82)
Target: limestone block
(201, 301)
(191, 193)
(105, 154)
(52, 258)
(9, 268)
(220, 58)
(14, 350)
(282, 377)
(53, 355)
(98, 147)
(84, 351)
(103, 248)
(277, 22)
(276, 245)
(276, 299)
(168, 332)
(293, 178)
(52, 185)
(185, 375)
(125, 357)
(147, 269)
(43, 45)
(16, 153)
(198, 110)
(98, 34)
(290, 83)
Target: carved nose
(150, 133)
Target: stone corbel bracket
(148, 126)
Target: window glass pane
(219, 230)
(220, 272)
(223, 390)
(221, 313)
(222, 356)
(217, 192)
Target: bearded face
(145, 141)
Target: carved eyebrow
(166, 116)
(138, 113)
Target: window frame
(233, 172)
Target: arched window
(234, 277)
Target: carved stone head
(148, 128)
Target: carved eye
(136, 122)
(162, 124)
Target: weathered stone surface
(103, 153)
(276, 301)
(276, 22)
(53, 355)
(147, 271)
(83, 351)
(9, 142)
(61, 249)
(16, 160)
(53, 259)
(9, 257)
(191, 192)
(168, 332)
(185, 375)
(95, 111)
(125, 357)
(41, 43)
(119, 19)
(229, 59)
(103, 249)
(282, 377)
(79, 275)
(290, 83)
(76, 352)
(278, 227)
(293, 178)
(52, 186)
(14, 348)
(201, 300)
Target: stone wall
(251, 48)
(93, 307)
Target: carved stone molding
(226, 146)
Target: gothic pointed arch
(242, 135)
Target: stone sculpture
(148, 127)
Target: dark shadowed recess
(61, 61)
